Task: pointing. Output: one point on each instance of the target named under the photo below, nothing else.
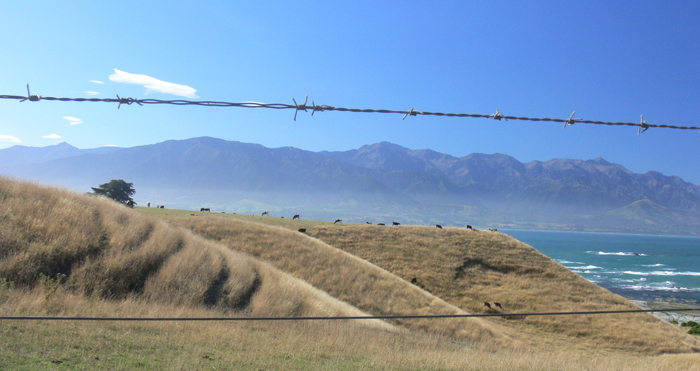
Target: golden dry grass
(346, 277)
(465, 268)
(256, 345)
(109, 251)
(120, 262)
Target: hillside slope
(344, 276)
(106, 250)
(464, 268)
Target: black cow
(302, 230)
(469, 226)
(295, 217)
(486, 304)
(438, 226)
(204, 209)
(338, 221)
(381, 224)
(265, 213)
(395, 223)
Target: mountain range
(378, 182)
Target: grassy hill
(465, 268)
(161, 262)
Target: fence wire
(642, 125)
(344, 318)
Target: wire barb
(498, 115)
(642, 124)
(571, 120)
(302, 107)
(412, 112)
(316, 108)
(30, 97)
(127, 101)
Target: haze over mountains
(382, 182)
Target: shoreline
(678, 316)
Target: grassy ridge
(120, 262)
(465, 268)
(107, 251)
(346, 277)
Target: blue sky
(609, 61)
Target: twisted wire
(320, 108)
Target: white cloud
(110, 145)
(97, 81)
(92, 93)
(9, 138)
(73, 120)
(153, 84)
(52, 136)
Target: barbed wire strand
(316, 318)
(642, 125)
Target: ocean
(640, 267)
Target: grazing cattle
(204, 209)
(193, 214)
(469, 226)
(130, 203)
(438, 226)
(282, 217)
(395, 223)
(498, 305)
(302, 230)
(414, 280)
(265, 213)
(148, 203)
(369, 223)
(162, 206)
(380, 224)
(487, 305)
(338, 221)
(295, 217)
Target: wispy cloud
(73, 120)
(9, 138)
(110, 145)
(97, 81)
(92, 93)
(153, 84)
(52, 136)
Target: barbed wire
(642, 125)
(345, 318)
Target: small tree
(118, 190)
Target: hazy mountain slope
(378, 180)
(33, 155)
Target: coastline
(678, 316)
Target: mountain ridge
(381, 179)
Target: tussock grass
(119, 262)
(257, 345)
(346, 277)
(108, 251)
(465, 268)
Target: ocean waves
(616, 253)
